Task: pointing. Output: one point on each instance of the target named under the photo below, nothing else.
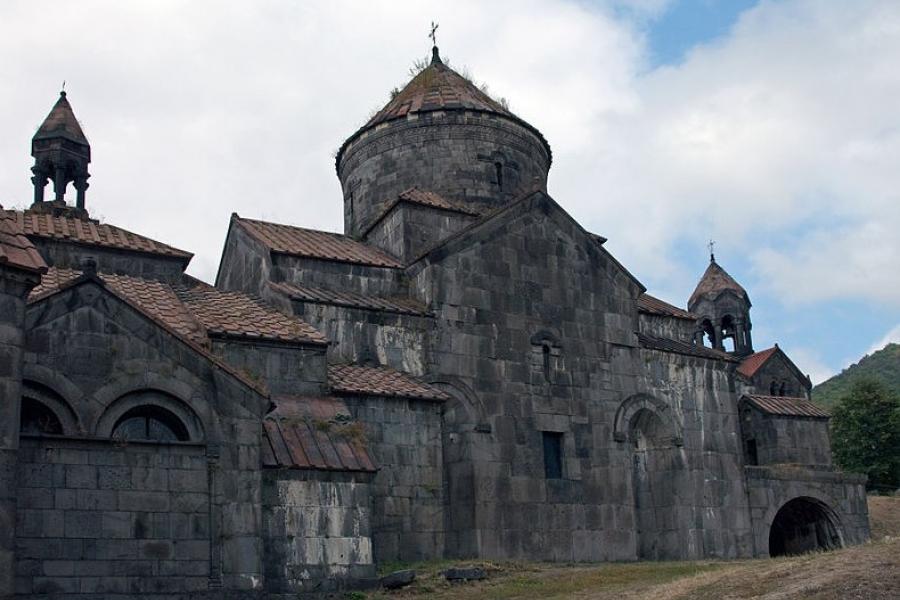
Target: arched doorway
(803, 525)
(652, 476)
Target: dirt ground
(869, 572)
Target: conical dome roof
(716, 280)
(61, 122)
(437, 87)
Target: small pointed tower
(61, 155)
(724, 309)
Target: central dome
(441, 134)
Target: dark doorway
(803, 525)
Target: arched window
(782, 389)
(546, 350)
(772, 389)
(498, 170)
(150, 423)
(37, 419)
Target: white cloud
(811, 363)
(891, 337)
(780, 140)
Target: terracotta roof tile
(89, 232)
(751, 364)
(654, 306)
(239, 315)
(351, 299)
(715, 280)
(434, 200)
(679, 347)
(314, 433)
(311, 243)
(787, 406)
(16, 250)
(380, 381)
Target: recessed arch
(149, 402)
(629, 411)
(804, 524)
(46, 411)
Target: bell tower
(61, 154)
(723, 307)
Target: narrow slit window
(552, 454)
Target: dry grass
(870, 572)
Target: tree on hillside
(866, 433)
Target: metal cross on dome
(712, 246)
(434, 27)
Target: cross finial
(62, 92)
(432, 35)
(712, 246)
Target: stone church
(465, 372)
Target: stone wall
(783, 439)
(299, 370)
(404, 437)
(110, 260)
(245, 265)
(452, 153)
(667, 327)
(410, 229)
(363, 279)
(100, 517)
(777, 372)
(317, 531)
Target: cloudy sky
(772, 127)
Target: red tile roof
(431, 199)
(715, 280)
(311, 243)
(380, 381)
(786, 406)
(319, 295)
(239, 315)
(437, 87)
(90, 232)
(654, 306)
(16, 250)
(679, 347)
(314, 433)
(751, 364)
(194, 310)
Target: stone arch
(803, 524)
(56, 381)
(188, 403)
(48, 398)
(628, 412)
(149, 397)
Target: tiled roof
(787, 406)
(351, 299)
(194, 310)
(679, 347)
(655, 306)
(61, 122)
(89, 232)
(16, 250)
(314, 433)
(437, 87)
(239, 315)
(433, 200)
(751, 364)
(380, 381)
(311, 243)
(714, 281)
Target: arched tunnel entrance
(803, 525)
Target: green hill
(883, 365)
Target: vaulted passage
(803, 525)
(654, 467)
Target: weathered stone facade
(466, 372)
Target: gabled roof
(90, 233)
(752, 363)
(194, 310)
(786, 406)
(320, 295)
(422, 198)
(61, 122)
(314, 433)
(716, 280)
(16, 250)
(654, 306)
(311, 243)
(380, 381)
(678, 347)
